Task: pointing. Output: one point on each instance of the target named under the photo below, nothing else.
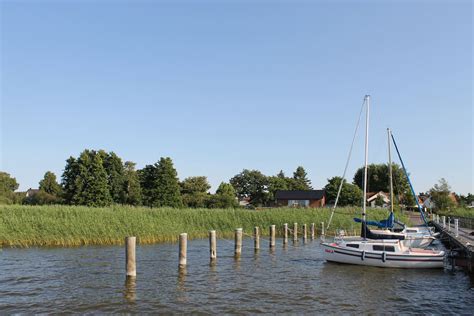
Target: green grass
(27, 226)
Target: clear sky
(225, 85)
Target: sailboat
(370, 249)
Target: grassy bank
(26, 226)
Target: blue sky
(223, 86)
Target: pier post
(444, 221)
(238, 242)
(130, 264)
(312, 231)
(305, 233)
(256, 238)
(295, 232)
(212, 245)
(183, 248)
(456, 226)
(449, 224)
(285, 233)
(322, 229)
(272, 236)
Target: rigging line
(411, 186)
(347, 163)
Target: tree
(148, 177)
(49, 184)
(350, 193)
(301, 180)
(91, 185)
(252, 184)
(115, 175)
(8, 185)
(41, 198)
(276, 183)
(440, 195)
(167, 184)
(69, 177)
(132, 194)
(225, 197)
(194, 191)
(379, 180)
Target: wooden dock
(459, 239)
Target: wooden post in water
(305, 233)
(238, 242)
(272, 236)
(130, 264)
(449, 224)
(444, 221)
(285, 233)
(322, 229)
(212, 245)
(183, 248)
(295, 232)
(312, 231)
(256, 238)
(456, 226)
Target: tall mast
(367, 99)
(389, 132)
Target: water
(288, 280)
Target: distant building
(300, 198)
(31, 192)
(372, 198)
(244, 201)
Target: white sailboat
(385, 249)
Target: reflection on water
(291, 279)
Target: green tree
(378, 179)
(301, 181)
(69, 178)
(115, 175)
(148, 177)
(8, 185)
(252, 184)
(41, 198)
(131, 185)
(276, 183)
(440, 195)
(91, 182)
(50, 185)
(350, 193)
(225, 197)
(167, 184)
(194, 191)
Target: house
(31, 192)
(373, 196)
(300, 198)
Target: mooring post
(456, 226)
(449, 224)
(272, 236)
(256, 238)
(212, 245)
(444, 221)
(285, 233)
(130, 264)
(295, 232)
(238, 242)
(305, 233)
(322, 229)
(183, 248)
(312, 231)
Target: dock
(458, 234)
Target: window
(383, 248)
(353, 245)
(298, 203)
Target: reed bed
(65, 226)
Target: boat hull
(334, 253)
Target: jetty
(458, 234)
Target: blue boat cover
(385, 223)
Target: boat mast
(390, 168)
(367, 99)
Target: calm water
(289, 280)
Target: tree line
(100, 178)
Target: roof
(299, 194)
(373, 196)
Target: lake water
(289, 280)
